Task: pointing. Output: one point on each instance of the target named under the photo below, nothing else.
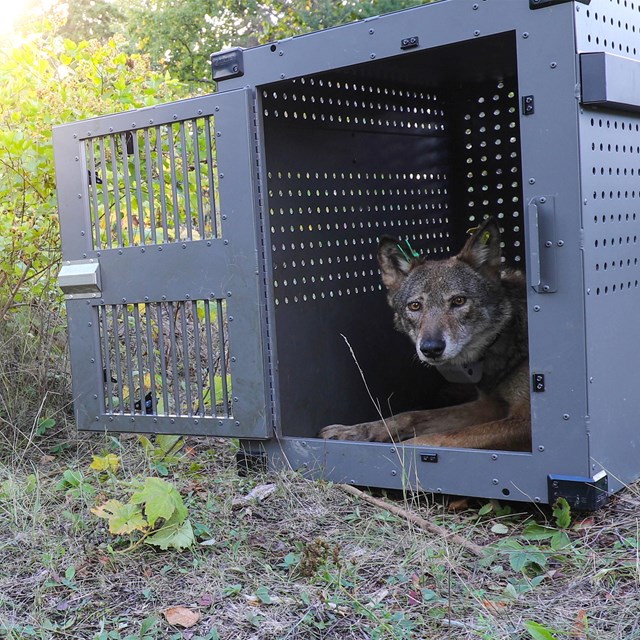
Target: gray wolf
(465, 312)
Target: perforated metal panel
(610, 155)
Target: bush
(46, 80)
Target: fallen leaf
(500, 528)
(181, 616)
(414, 597)
(459, 505)
(259, 494)
(206, 600)
(45, 459)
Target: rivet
(537, 500)
(371, 31)
(187, 296)
(494, 457)
(146, 298)
(553, 65)
(282, 76)
(133, 419)
(164, 297)
(95, 396)
(92, 360)
(565, 416)
(142, 250)
(221, 175)
(175, 117)
(151, 121)
(235, 399)
(159, 248)
(120, 252)
(226, 242)
(230, 318)
(394, 473)
(525, 34)
(548, 243)
(237, 423)
(546, 287)
(228, 294)
(90, 324)
(560, 243)
(199, 112)
(536, 307)
(475, 7)
(124, 300)
(196, 421)
(217, 109)
(184, 246)
(541, 448)
(373, 56)
(532, 180)
(233, 358)
(543, 200)
(79, 196)
(392, 450)
(173, 420)
(494, 481)
(476, 33)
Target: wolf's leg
(512, 433)
(416, 423)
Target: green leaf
(485, 509)
(562, 513)
(123, 518)
(263, 594)
(160, 500)
(538, 632)
(174, 534)
(500, 528)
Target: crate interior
(421, 147)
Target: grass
(309, 561)
(306, 562)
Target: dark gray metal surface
(164, 200)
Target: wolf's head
(452, 309)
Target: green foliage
(562, 513)
(155, 510)
(182, 35)
(74, 484)
(164, 452)
(45, 81)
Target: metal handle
(541, 243)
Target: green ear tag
(412, 252)
(486, 236)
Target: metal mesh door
(168, 335)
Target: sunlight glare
(10, 13)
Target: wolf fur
(466, 309)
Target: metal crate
(236, 290)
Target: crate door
(161, 272)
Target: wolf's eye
(414, 306)
(458, 301)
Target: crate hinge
(539, 4)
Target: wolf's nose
(432, 348)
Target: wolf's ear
(395, 262)
(482, 249)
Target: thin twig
(437, 530)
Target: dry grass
(307, 562)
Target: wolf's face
(452, 309)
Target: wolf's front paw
(343, 432)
